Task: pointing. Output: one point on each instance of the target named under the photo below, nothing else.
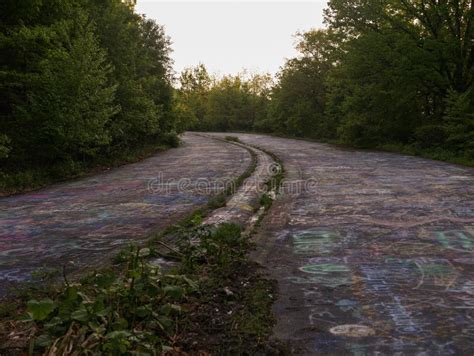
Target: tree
(80, 80)
(401, 60)
(138, 50)
(72, 101)
(299, 99)
(59, 100)
(227, 103)
(459, 121)
(195, 84)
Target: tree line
(85, 80)
(230, 102)
(394, 74)
(80, 80)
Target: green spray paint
(324, 274)
(456, 240)
(315, 241)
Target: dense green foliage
(223, 104)
(80, 80)
(385, 74)
(406, 74)
(298, 102)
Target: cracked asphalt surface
(242, 207)
(86, 220)
(373, 252)
(375, 256)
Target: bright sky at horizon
(228, 36)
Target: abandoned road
(375, 255)
(81, 223)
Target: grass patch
(266, 201)
(273, 186)
(231, 313)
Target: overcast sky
(228, 36)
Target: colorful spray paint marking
(328, 272)
(376, 279)
(82, 222)
(324, 271)
(315, 242)
(415, 291)
(421, 272)
(458, 240)
(435, 272)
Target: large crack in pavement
(81, 223)
(242, 208)
(377, 257)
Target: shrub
(430, 136)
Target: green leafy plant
(135, 310)
(40, 310)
